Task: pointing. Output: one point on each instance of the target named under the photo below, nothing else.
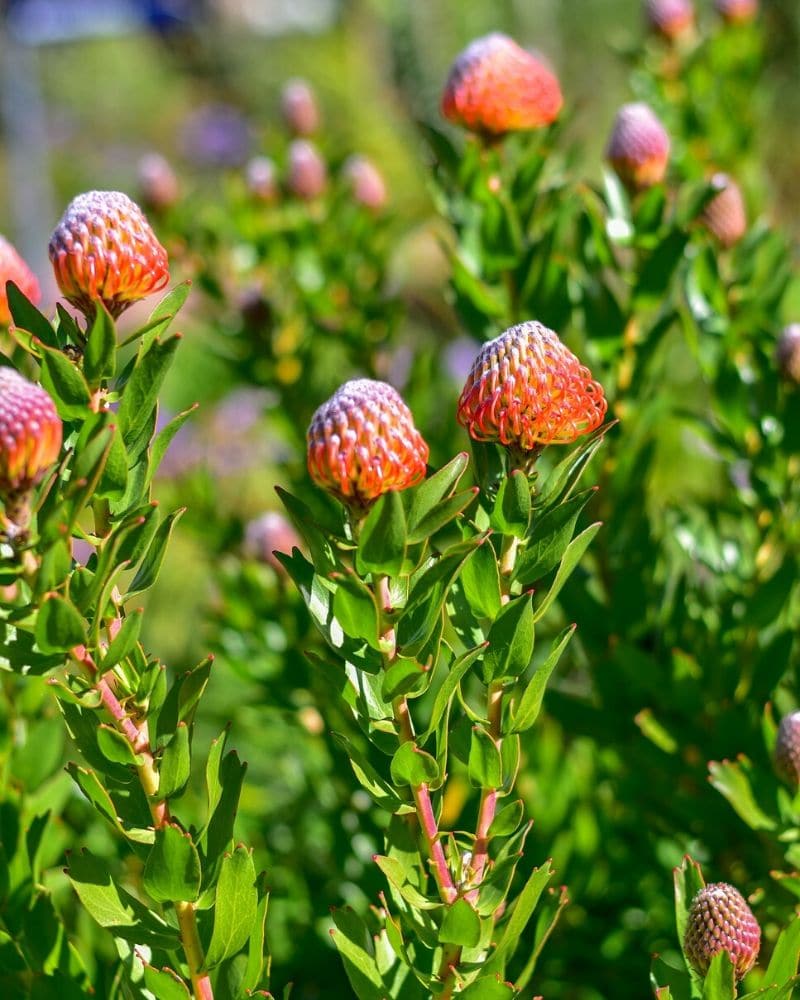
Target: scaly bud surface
(299, 107)
(526, 390)
(13, 268)
(725, 215)
(495, 86)
(307, 175)
(362, 443)
(736, 11)
(787, 352)
(639, 146)
(787, 749)
(720, 920)
(103, 248)
(670, 18)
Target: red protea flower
(725, 215)
(103, 248)
(670, 18)
(13, 268)
(639, 146)
(362, 443)
(366, 182)
(299, 107)
(30, 440)
(495, 86)
(720, 920)
(787, 748)
(307, 175)
(527, 390)
(787, 352)
(736, 11)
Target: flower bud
(268, 534)
(639, 146)
(725, 216)
(299, 107)
(362, 443)
(527, 390)
(670, 18)
(308, 176)
(13, 268)
(366, 182)
(787, 352)
(30, 440)
(720, 920)
(261, 178)
(103, 248)
(158, 182)
(736, 11)
(787, 749)
(495, 86)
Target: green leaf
(353, 942)
(236, 906)
(733, 781)
(549, 539)
(521, 912)
(124, 641)
(165, 984)
(355, 609)
(404, 677)
(530, 703)
(115, 747)
(441, 515)
(512, 508)
(449, 686)
(720, 981)
(114, 479)
(423, 498)
(688, 881)
(488, 988)
(507, 820)
(382, 538)
(27, 317)
(257, 963)
(59, 627)
(165, 312)
(510, 641)
(175, 766)
(484, 765)
(163, 439)
(97, 794)
(172, 869)
(480, 580)
(100, 353)
(785, 957)
(141, 391)
(461, 925)
(219, 832)
(412, 766)
(147, 573)
(379, 790)
(62, 380)
(572, 556)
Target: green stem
(190, 939)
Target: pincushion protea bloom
(670, 18)
(639, 146)
(495, 86)
(725, 216)
(736, 11)
(13, 268)
(720, 920)
(30, 440)
(527, 390)
(103, 248)
(787, 352)
(362, 443)
(787, 748)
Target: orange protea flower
(720, 920)
(527, 390)
(670, 18)
(103, 248)
(736, 11)
(30, 440)
(638, 148)
(495, 87)
(362, 443)
(13, 268)
(725, 216)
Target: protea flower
(261, 178)
(103, 248)
(268, 534)
(736, 11)
(720, 920)
(307, 176)
(787, 749)
(30, 441)
(787, 352)
(299, 107)
(158, 182)
(362, 443)
(527, 390)
(366, 182)
(495, 86)
(13, 268)
(670, 18)
(639, 146)
(725, 216)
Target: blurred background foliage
(85, 97)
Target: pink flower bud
(720, 920)
(268, 534)
(261, 178)
(725, 216)
(787, 749)
(366, 182)
(13, 268)
(670, 18)
(787, 352)
(158, 182)
(299, 107)
(308, 176)
(639, 146)
(736, 11)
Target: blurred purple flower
(459, 356)
(216, 135)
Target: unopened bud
(720, 920)
(307, 176)
(13, 268)
(736, 11)
(261, 178)
(725, 215)
(299, 107)
(670, 18)
(158, 182)
(639, 147)
(268, 534)
(787, 352)
(366, 182)
(787, 749)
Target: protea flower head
(299, 107)
(787, 749)
(104, 249)
(787, 352)
(307, 175)
(495, 86)
(725, 215)
(736, 11)
(13, 268)
(30, 440)
(362, 443)
(720, 920)
(261, 178)
(366, 182)
(268, 534)
(527, 390)
(670, 18)
(158, 182)
(639, 146)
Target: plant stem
(190, 939)
(489, 796)
(451, 956)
